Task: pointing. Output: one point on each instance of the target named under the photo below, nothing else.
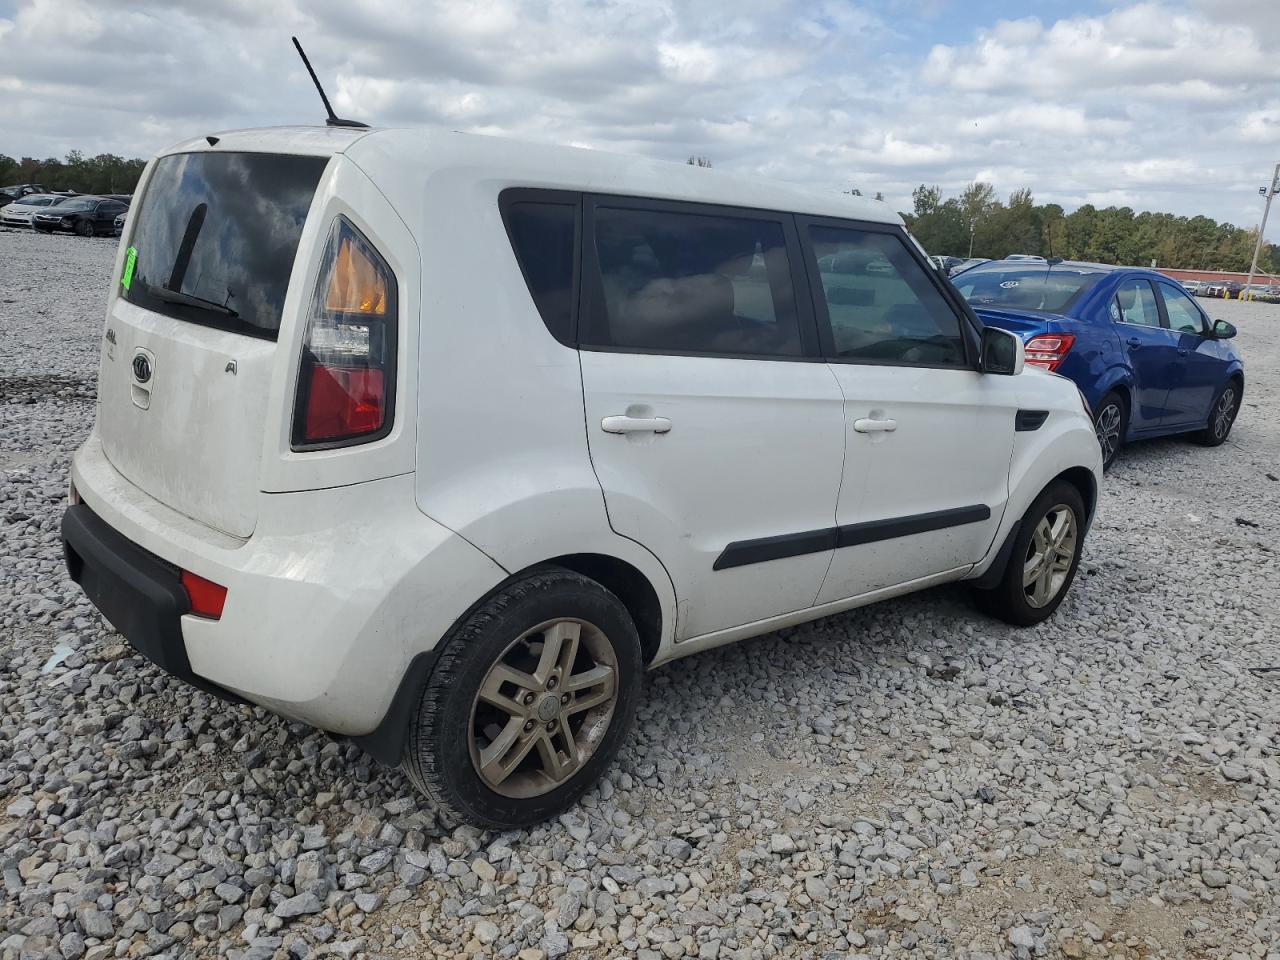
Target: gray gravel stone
(908, 779)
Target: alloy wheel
(1049, 555)
(1224, 413)
(1107, 428)
(543, 708)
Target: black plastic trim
(872, 531)
(1024, 421)
(385, 743)
(140, 594)
(743, 552)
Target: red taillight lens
(1049, 350)
(346, 381)
(207, 597)
(343, 402)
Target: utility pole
(1269, 193)
(973, 228)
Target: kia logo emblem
(141, 368)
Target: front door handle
(1182, 352)
(1134, 342)
(635, 425)
(867, 425)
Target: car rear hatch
(190, 342)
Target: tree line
(980, 222)
(105, 173)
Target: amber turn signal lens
(356, 285)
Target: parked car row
(85, 215)
(1232, 290)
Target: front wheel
(1043, 562)
(529, 702)
(1222, 417)
(85, 228)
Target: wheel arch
(1083, 479)
(627, 582)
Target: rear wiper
(187, 300)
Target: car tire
(533, 693)
(1111, 423)
(1027, 594)
(1222, 416)
(85, 228)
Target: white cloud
(1172, 105)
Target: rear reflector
(1049, 350)
(207, 598)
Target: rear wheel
(1222, 416)
(1110, 423)
(1043, 562)
(528, 703)
(85, 228)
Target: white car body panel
(343, 565)
(952, 423)
(755, 450)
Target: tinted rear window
(542, 235)
(693, 283)
(220, 230)
(1023, 287)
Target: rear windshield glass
(1023, 287)
(216, 235)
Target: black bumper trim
(139, 594)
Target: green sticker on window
(130, 258)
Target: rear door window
(694, 282)
(1136, 304)
(216, 235)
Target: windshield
(1043, 288)
(216, 234)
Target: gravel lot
(910, 779)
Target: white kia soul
(437, 441)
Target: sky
(1171, 105)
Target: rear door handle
(635, 424)
(866, 425)
(1134, 342)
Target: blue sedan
(1145, 356)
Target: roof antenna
(333, 120)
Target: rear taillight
(1049, 350)
(346, 381)
(207, 598)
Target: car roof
(398, 158)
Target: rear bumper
(328, 602)
(138, 593)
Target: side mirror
(1223, 330)
(1002, 352)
